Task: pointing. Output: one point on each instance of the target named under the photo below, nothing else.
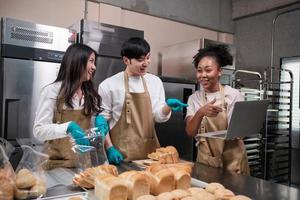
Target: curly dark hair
(219, 52)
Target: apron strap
(204, 99)
(128, 98)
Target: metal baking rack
(250, 84)
(279, 90)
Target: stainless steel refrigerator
(106, 40)
(30, 59)
(173, 132)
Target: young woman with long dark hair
(68, 106)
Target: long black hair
(72, 68)
(219, 52)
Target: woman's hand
(210, 110)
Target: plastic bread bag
(7, 175)
(93, 154)
(30, 179)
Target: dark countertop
(254, 188)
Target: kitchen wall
(212, 14)
(158, 31)
(253, 38)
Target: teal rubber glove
(114, 156)
(77, 134)
(101, 124)
(176, 104)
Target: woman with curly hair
(210, 109)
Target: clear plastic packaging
(94, 154)
(30, 178)
(7, 175)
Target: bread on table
(25, 179)
(203, 195)
(223, 194)
(240, 197)
(7, 187)
(147, 197)
(166, 196)
(137, 184)
(212, 187)
(111, 169)
(179, 193)
(165, 155)
(189, 198)
(80, 181)
(186, 166)
(109, 187)
(86, 179)
(194, 190)
(161, 179)
(182, 178)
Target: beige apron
(59, 150)
(229, 154)
(134, 134)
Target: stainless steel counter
(254, 188)
(246, 185)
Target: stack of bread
(213, 191)
(128, 185)
(165, 155)
(163, 178)
(28, 185)
(86, 179)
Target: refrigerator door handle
(11, 118)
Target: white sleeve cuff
(61, 130)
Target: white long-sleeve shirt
(231, 96)
(112, 92)
(44, 128)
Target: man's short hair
(135, 48)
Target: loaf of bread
(223, 194)
(137, 184)
(186, 166)
(165, 155)
(161, 179)
(80, 181)
(25, 179)
(86, 179)
(240, 197)
(109, 187)
(182, 178)
(212, 187)
(147, 197)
